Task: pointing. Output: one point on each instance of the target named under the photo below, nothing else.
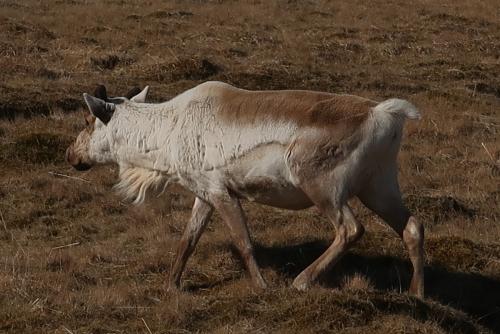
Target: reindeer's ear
(100, 92)
(99, 108)
(141, 97)
(133, 92)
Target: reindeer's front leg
(200, 216)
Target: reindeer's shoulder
(214, 89)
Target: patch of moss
(460, 254)
(186, 69)
(36, 148)
(439, 208)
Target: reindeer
(288, 149)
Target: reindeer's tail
(398, 107)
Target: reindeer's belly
(262, 176)
(272, 192)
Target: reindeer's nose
(80, 166)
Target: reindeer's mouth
(82, 166)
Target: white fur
(399, 107)
(135, 181)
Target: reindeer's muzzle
(74, 161)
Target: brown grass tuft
(357, 282)
(37, 148)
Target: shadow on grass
(204, 285)
(475, 294)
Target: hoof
(261, 285)
(301, 283)
(258, 282)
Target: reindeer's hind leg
(348, 231)
(328, 188)
(382, 195)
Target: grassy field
(75, 258)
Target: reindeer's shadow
(472, 293)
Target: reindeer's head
(92, 145)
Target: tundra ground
(74, 258)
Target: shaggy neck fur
(139, 137)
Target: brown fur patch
(89, 119)
(306, 108)
(349, 109)
(312, 156)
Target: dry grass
(74, 258)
